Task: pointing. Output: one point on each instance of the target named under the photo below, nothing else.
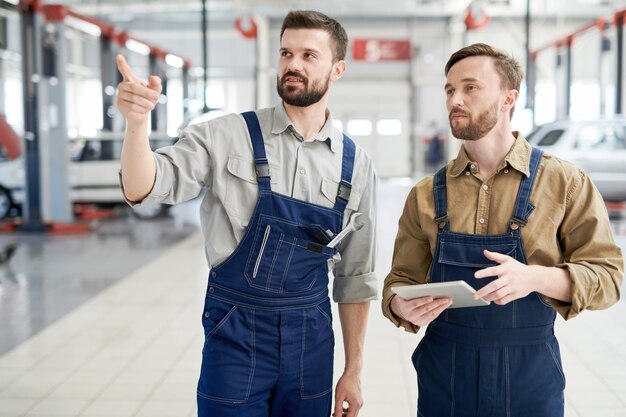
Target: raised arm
(135, 100)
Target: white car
(596, 146)
(93, 176)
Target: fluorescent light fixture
(16, 2)
(140, 48)
(83, 26)
(174, 61)
(359, 127)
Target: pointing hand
(135, 97)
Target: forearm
(137, 161)
(353, 318)
(553, 282)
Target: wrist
(353, 366)
(137, 126)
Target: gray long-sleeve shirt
(217, 156)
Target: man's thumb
(154, 83)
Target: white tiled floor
(134, 349)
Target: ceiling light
(135, 46)
(174, 61)
(83, 26)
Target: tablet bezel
(461, 293)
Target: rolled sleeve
(158, 192)
(182, 170)
(355, 280)
(591, 256)
(355, 289)
(411, 259)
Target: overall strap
(262, 167)
(441, 203)
(347, 166)
(523, 208)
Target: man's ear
(339, 68)
(510, 100)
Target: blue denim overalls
(496, 360)
(269, 340)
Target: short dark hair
(309, 19)
(507, 67)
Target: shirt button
(506, 171)
(481, 221)
(302, 171)
(467, 172)
(472, 166)
(211, 290)
(207, 315)
(251, 178)
(485, 187)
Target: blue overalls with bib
(267, 319)
(496, 360)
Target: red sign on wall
(375, 50)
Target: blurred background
(100, 304)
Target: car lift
(44, 56)
(563, 50)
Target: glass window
(389, 127)
(588, 137)
(550, 138)
(607, 137)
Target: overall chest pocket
(459, 261)
(471, 254)
(283, 258)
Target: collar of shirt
(328, 133)
(518, 158)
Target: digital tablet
(460, 292)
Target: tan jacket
(569, 227)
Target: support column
(55, 192)
(109, 77)
(560, 83)
(619, 71)
(457, 37)
(568, 75)
(263, 70)
(531, 85)
(185, 82)
(30, 22)
(603, 69)
(159, 114)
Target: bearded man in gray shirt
(281, 184)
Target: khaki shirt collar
(328, 133)
(518, 158)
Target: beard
(310, 95)
(475, 129)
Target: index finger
(487, 289)
(490, 271)
(124, 69)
